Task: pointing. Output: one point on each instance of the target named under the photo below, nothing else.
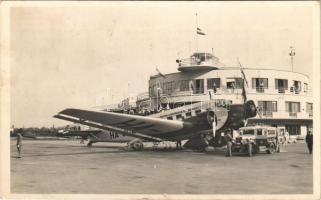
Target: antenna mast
(196, 33)
(292, 54)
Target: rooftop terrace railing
(201, 106)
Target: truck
(256, 139)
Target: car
(300, 137)
(255, 139)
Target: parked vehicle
(255, 139)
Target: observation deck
(199, 61)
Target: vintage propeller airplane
(183, 123)
(199, 118)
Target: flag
(244, 92)
(244, 82)
(200, 32)
(159, 73)
(243, 75)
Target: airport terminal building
(284, 98)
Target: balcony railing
(260, 89)
(225, 90)
(198, 91)
(281, 90)
(267, 113)
(293, 114)
(295, 90)
(192, 61)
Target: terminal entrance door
(293, 129)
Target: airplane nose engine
(250, 109)
(219, 116)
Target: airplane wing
(147, 128)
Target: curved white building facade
(284, 98)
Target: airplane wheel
(271, 149)
(138, 146)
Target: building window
(234, 83)
(199, 86)
(305, 87)
(213, 83)
(154, 92)
(293, 129)
(184, 85)
(281, 85)
(260, 84)
(296, 87)
(309, 108)
(167, 87)
(268, 107)
(292, 107)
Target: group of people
(308, 139)
(282, 139)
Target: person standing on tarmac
(229, 140)
(280, 141)
(286, 137)
(309, 141)
(19, 144)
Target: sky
(85, 56)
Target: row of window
(292, 107)
(197, 85)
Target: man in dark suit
(309, 141)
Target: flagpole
(196, 33)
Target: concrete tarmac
(52, 166)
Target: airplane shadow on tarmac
(76, 153)
(145, 151)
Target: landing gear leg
(229, 149)
(178, 144)
(90, 144)
(155, 145)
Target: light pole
(292, 54)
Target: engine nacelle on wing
(135, 144)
